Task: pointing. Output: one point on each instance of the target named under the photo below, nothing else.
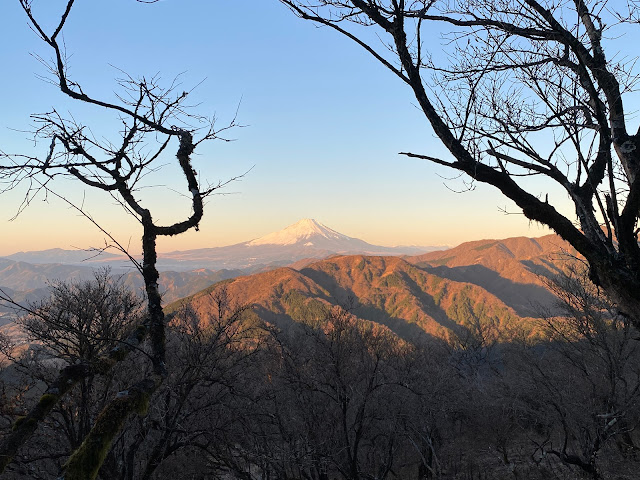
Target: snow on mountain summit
(303, 240)
(302, 230)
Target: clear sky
(324, 125)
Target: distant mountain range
(302, 240)
(69, 257)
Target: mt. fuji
(306, 229)
(305, 239)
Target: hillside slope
(512, 269)
(387, 291)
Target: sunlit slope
(512, 269)
(388, 291)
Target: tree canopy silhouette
(524, 88)
(152, 119)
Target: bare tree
(6, 398)
(599, 349)
(210, 351)
(576, 393)
(331, 403)
(79, 323)
(524, 88)
(152, 119)
(82, 320)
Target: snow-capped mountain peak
(303, 240)
(300, 231)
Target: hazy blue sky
(324, 123)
